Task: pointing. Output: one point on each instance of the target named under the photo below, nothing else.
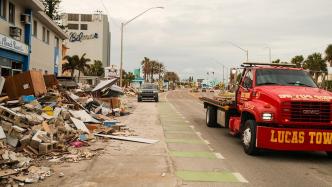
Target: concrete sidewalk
(124, 163)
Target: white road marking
(210, 148)
(240, 177)
(207, 142)
(191, 126)
(198, 134)
(187, 121)
(219, 156)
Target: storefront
(13, 56)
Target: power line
(109, 15)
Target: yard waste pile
(48, 125)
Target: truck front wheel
(248, 137)
(211, 117)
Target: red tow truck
(275, 107)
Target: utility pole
(121, 62)
(223, 74)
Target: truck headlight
(267, 116)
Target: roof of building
(35, 5)
(45, 19)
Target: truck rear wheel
(329, 154)
(211, 117)
(248, 137)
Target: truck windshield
(284, 77)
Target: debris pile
(57, 126)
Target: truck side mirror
(247, 83)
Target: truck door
(245, 89)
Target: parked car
(148, 91)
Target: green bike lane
(194, 161)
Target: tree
(146, 67)
(52, 8)
(153, 69)
(298, 61)
(171, 76)
(276, 61)
(127, 78)
(160, 70)
(96, 69)
(328, 53)
(82, 65)
(71, 65)
(316, 64)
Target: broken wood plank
(7, 172)
(132, 139)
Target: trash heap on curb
(53, 127)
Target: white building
(29, 39)
(90, 34)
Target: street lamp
(122, 27)
(270, 55)
(245, 50)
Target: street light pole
(270, 53)
(245, 50)
(122, 33)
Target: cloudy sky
(192, 37)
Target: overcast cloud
(189, 36)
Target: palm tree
(298, 61)
(316, 64)
(328, 53)
(146, 67)
(71, 65)
(160, 70)
(96, 69)
(153, 69)
(82, 65)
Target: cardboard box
(27, 83)
(50, 81)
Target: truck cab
(277, 107)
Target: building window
(57, 42)
(48, 37)
(44, 34)
(35, 27)
(11, 13)
(84, 26)
(86, 17)
(73, 26)
(73, 17)
(3, 8)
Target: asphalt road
(270, 168)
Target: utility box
(27, 83)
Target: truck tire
(139, 99)
(329, 154)
(248, 137)
(211, 117)
(156, 100)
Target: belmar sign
(13, 45)
(79, 37)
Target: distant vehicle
(204, 87)
(148, 92)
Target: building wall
(96, 48)
(44, 61)
(37, 54)
(4, 23)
